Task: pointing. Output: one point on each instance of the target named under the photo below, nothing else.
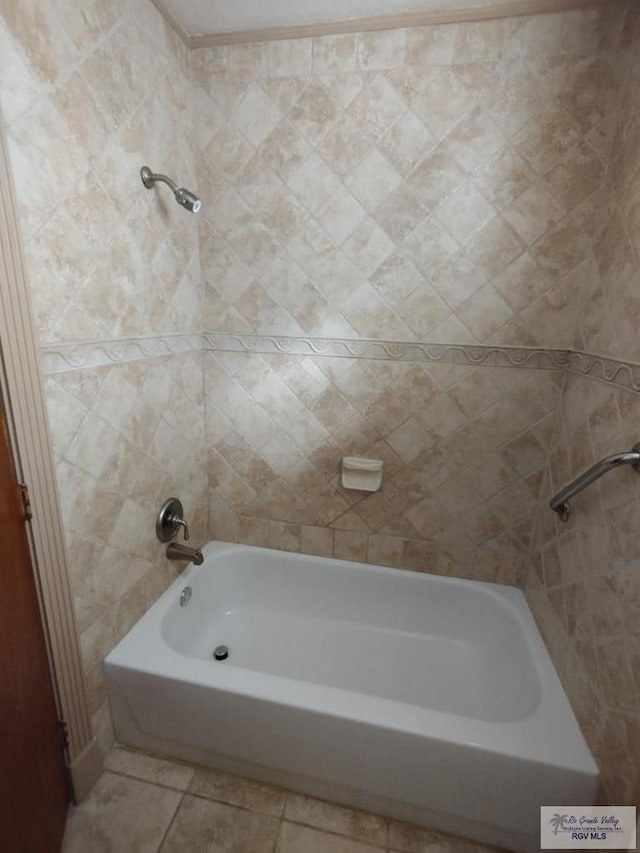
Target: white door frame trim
(32, 446)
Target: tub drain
(221, 653)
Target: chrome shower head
(184, 197)
(188, 200)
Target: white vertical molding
(29, 416)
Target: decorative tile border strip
(528, 357)
(623, 374)
(65, 357)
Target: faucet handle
(170, 519)
(177, 521)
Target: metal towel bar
(560, 503)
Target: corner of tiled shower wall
(89, 93)
(584, 586)
(611, 295)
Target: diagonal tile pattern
(105, 257)
(610, 309)
(125, 438)
(469, 157)
(463, 449)
(584, 585)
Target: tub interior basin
(427, 645)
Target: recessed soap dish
(361, 473)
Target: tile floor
(144, 804)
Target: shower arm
(560, 503)
(149, 178)
(182, 195)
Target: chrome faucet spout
(176, 551)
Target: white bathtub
(424, 698)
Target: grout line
(282, 817)
(164, 785)
(334, 833)
(171, 822)
(232, 805)
(157, 756)
(277, 838)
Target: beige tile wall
(611, 303)
(584, 586)
(463, 448)
(434, 183)
(90, 92)
(125, 438)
